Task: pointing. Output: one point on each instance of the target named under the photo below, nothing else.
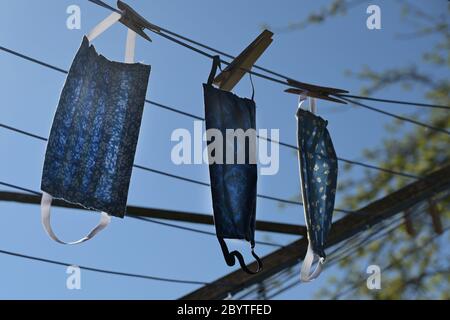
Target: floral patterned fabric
(318, 171)
(95, 130)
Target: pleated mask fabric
(318, 171)
(92, 143)
(233, 186)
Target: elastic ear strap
(230, 258)
(253, 86)
(301, 99)
(305, 275)
(130, 46)
(312, 105)
(212, 74)
(104, 25)
(46, 204)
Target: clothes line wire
(174, 176)
(154, 221)
(175, 110)
(220, 52)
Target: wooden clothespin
(234, 72)
(314, 91)
(135, 23)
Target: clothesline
(175, 110)
(177, 35)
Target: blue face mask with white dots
(318, 172)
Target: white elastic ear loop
(46, 203)
(312, 105)
(130, 46)
(305, 275)
(301, 99)
(103, 26)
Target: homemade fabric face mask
(318, 172)
(233, 186)
(92, 143)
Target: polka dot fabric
(318, 172)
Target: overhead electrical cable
(169, 108)
(174, 176)
(154, 221)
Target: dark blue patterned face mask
(233, 186)
(318, 171)
(92, 143)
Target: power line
(117, 273)
(273, 281)
(372, 237)
(353, 162)
(350, 246)
(159, 105)
(407, 103)
(174, 176)
(392, 264)
(201, 231)
(350, 251)
(20, 188)
(388, 227)
(154, 221)
(33, 60)
(371, 214)
(204, 46)
(418, 123)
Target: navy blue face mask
(92, 143)
(233, 186)
(318, 171)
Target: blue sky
(319, 54)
